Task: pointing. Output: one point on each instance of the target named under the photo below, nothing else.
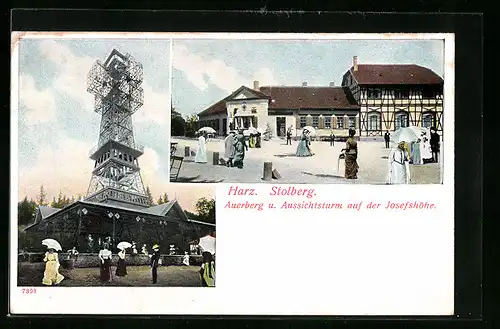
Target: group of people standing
(235, 146)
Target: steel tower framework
(116, 86)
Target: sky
(205, 71)
(58, 126)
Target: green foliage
(178, 124)
(206, 210)
(41, 199)
(61, 202)
(163, 199)
(191, 125)
(26, 211)
(150, 197)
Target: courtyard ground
(321, 168)
(31, 274)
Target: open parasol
(407, 134)
(52, 244)
(208, 130)
(124, 245)
(207, 243)
(311, 130)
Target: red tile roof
(409, 74)
(310, 98)
(296, 98)
(220, 106)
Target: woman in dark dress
(105, 258)
(351, 155)
(121, 268)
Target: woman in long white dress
(425, 150)
(399, 167)
(201, 152)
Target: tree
(150, 197)
(206, 210)
(163, 199)
(26, 211)
(177, 123)
(191, 125)
(41, 197)
(61, 202)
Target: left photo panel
(94, 202)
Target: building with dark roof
(279, 108)
(395, 96)
(371, 99)
(83, 221)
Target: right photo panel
(307, 111)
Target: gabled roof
(310, 98)
(47, 211)
(220, 106)
(294, 98)
(395, 74)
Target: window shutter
(309, 120)
(356, 121)
(346, 122)
(333, 119)
(321, 122)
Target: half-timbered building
(395, 96)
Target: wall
(218, 117)
(261, 106)
(92, 260)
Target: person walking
(155, 262)
(51, 276)
(289, 137)
(435, 145)
(332, 139)
(387, 138)
(399, 169)
(351, 156)
(229, 148)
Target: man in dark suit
(387, 138)
(332, 139)
(155, 262)
(435, 144)
(289, 137)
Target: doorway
(281, 126)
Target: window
(328, 122)
(401, 120)
(428, 120)
(315, 121)
(398, 94)
(374, 121)
(340, 123)
(303, 121)
(373, 93)
(352, 122)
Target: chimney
(332, 84)
(355, 63)
(256, 85)
(304, 84)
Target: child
(207, 270)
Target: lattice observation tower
(116, 86)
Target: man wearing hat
(155, 262)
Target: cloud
(63, 166)
(40, 105)
(202, 70)
(155, 108)
(73, 70)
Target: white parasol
(208, 130)
(124, 245)
(407, 134)
(311, 130)
(207, 243)
(246, 132)
(52, 244)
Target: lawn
(31, 274)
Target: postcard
(325, 161)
